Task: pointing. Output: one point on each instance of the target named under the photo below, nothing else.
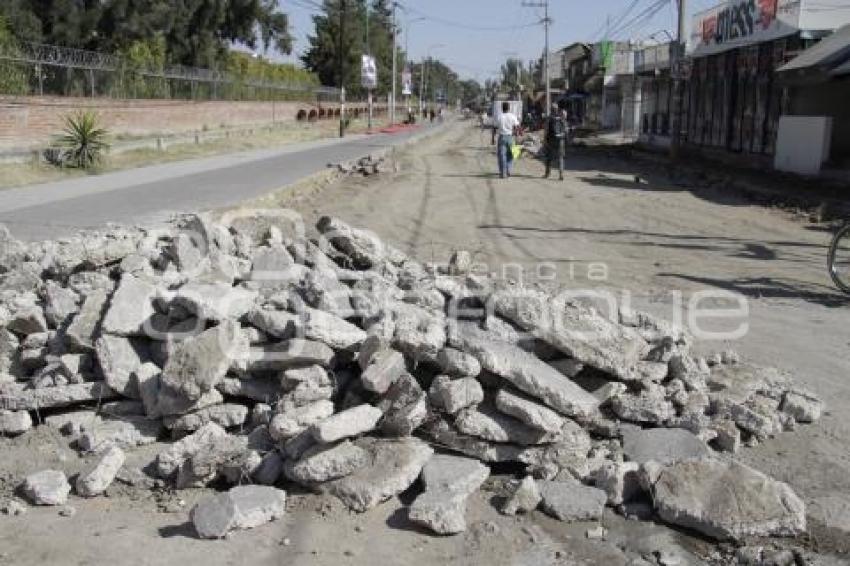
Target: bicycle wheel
(839, 259)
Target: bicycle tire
(842, 281)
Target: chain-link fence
(38, 69)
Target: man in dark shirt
(555, 139)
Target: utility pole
(678, 84)
(546, 22)
(395, 54)
(341, 64)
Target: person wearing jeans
(506, 125)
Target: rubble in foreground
(342, 365)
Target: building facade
(733, 99)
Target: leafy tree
(516, 77)
(13, 78)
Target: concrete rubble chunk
(725, 499)
(295, 420)
(577, 330)
(60, 303)
(259, 389)
(47, 487)
(533, 414)
(452, 395)
(448, 481)
(243, 507)
(404, 407)
(290, 354)
(131, 307)
(489, 424)
(385, 368)
(21, 399)
(13, 423)
(128, 432)
(393, 466)
(169, 460)
(227, 415)
(457, 363)
(649, 406)
(220, 456)
(345, 424)
(803, 407)
(662, 445)
(94, 480)
(215, 302)
(277, 323)
(531, 375)
(270, 469)
(83, 330)
(323, 463)
(119, 358)
(197, 365)
(363, 248)
(572, 501)
(524, 499)
(620, 481)
(330, 329)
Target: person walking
(506, 126)
(555, 139)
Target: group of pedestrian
(555, 139)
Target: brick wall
(31, 121)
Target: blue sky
(477, 53)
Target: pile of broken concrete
(340, 364)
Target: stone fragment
(13, 423)
(323, 463)
(94, 480)
(404, 407)
(146, 378)
(446, 436)
(290, 354)
(19, 399)
(448, 481)
(662, 445)
(73, 423)
(575, 329)
(214, 302)
(524, 498)
(456, 363)
(534, 377)
(197, 366)
(533, 414)
(488, 424)
(393, 466)
(243, 507)
(294, 420)
(278, 323)
(725, 499)
(119, 358)
(131, 307)
(452, 395)
(386, 367)
(620, 481)
(60, 303)
(728, 437)
(226, 456)
(572, 501)
(330, 329)
(345, 424)
(169, 460)
(47, 487)
(12, 508)
(127, 432)
(227, 415)
(649, 406)
(803, 407)
(83, 330)
(260, 389)
(363, 248)
(269, 470)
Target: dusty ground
(654, 238)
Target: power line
(470, 27)
(643, 17)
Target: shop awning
(819, 61)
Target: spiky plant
(83, 140)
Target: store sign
(369, 72)
(743, 22)
(406, 83)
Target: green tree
(13, 77)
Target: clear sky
(479, 34)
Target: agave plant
(83, 140)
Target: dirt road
(652, 239)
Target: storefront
(733, 100)
(652, 69)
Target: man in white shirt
(506, 125)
